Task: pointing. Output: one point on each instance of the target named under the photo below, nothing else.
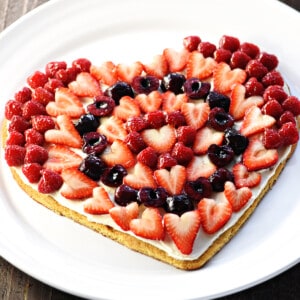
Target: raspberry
(272, 108)
(229, 42)
(286, 117)
(136, 124)
(239, 59)
(148, 157)
(207, 49)
(33, 137)
(292, 104)
(49, 182)
(53, 66)
(33, 108)
(272, 78)
(42, 123)
(82, 64)
(250, 49)
(12, 107)
(275, 92)
(186, 135)
(35, 154)
(222, 55)
(23, 95)
(182, 153)
(191, 42)
(135, 142)
(15, 138)
(256, 69)
(18, 123)
(254, 87)
(270, 61)
(53, 84)
(289, 133)
(14, 155)
(176, 119)
(66, 76)
(42, 96)
(32, 171)
(155, 119)
(166, 161)
(37, 79)
(271, 139)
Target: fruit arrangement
(164, 147)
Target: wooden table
(15, 285)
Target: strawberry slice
(255, 122)
(66, 134)
(61, 157)
(239, 103)
(123, 215)
(172, 102)
(238, 198)
(200, 67)
(127, 107)
(183, 230)
(161, 139)
(76, 186)
(176, 59)
(200, 166)
(196, 114)
(257, 157)
(205, 137)
(244, 178)
(85, 85)
(141, 176)
(106, 73)
(214, 214)
(99, 204)
(224, 79)
(113, 128)
(66, 103)
(172, 181)
(128, 72)
(119, 154)
(149, 226)
(157, 67)
(149, 103)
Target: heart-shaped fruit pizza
(168, 158)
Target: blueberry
(94, 142)
(195, 89)
(87, 123)
(114, 176)
(145, 84)
(236, 140)
(219, 119)
(102, 106)
(215, 99)
(220, 155)
(179, 204)
(152, 197)
(198, 189)
(125, 194)
(219, 177)
(118, 90)
(93, 167)
(173, 82)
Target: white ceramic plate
(69, 257)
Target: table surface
(15, 284)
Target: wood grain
(16, 285)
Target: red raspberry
(33, 108)
(37, 79)
(35, 154)
(135, 142)
(271, 139)
(182, 153)
(250, 49)
(256, 69)
(191, 42)
(222, 55)
(273, 108)
(53, 84)
(148, 157)
(270, 61)
(286, 117)
(289, 134)
(23, 95)
(42, 123)
(42, 96)
(33, 137)
(66, 76)
(292, 104)
(18, 123)
(32, 171)
(207, 49)
(239, 59)
(15, 138)
(53, 66)
(14, 155)
(166, 161)
(186, 135)
(175, 119)
(272, 78)
(155, 119)
(49, 182)
(82, 64)
(254, 87)
(229, 42)
(275, 92)
(136, 124)
(12, 108)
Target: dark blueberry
(198, 189)
(215, 99)
(173, 82)
(87, 123)
(94, 142)
(102, 106)
(220, 155)
(145, 84)
(219, 119)
(195, 89)
(118, 90)
(179, 204)
(93, 167)
(152, 197)
(236, 140)
(114, 176)
(219, 177)
(125, 194)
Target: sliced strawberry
(200, 67)
(119, 154)
(161, 139)
(106, 73)
(76, 185)
(113, 128)
(123, 215)
(141, 176)
(183, 230)
(99, 204)
(61, 157)
(157, 67)
(172, 102)
(172, 181)
(149, 103)
(205, 137)
(214, 215)
(85, 85)
(239, 103)
(238, 198)
(176, 59)
(244, 178)
(257, 157)
(224, 79)
(66, 103)
(196, 114)
(128, 72)
(66, 134)
(149, 226)
(127, 107)
(255, 122)
(200, 166)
